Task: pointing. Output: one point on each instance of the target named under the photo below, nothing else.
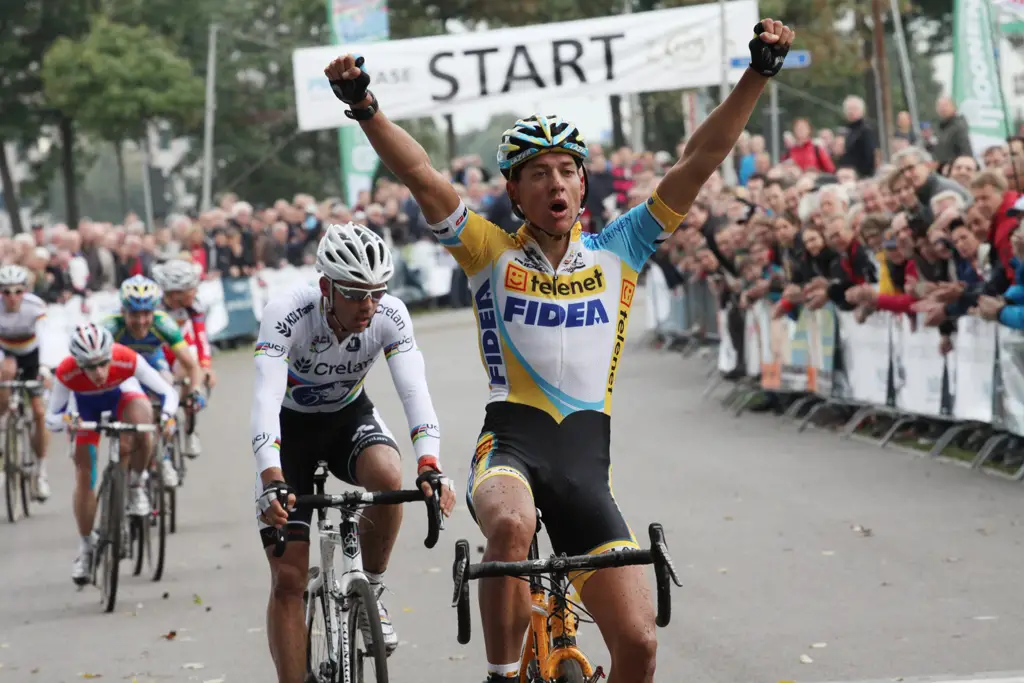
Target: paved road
(760, 521)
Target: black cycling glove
(352, 91)
(765, 59)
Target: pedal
(598, 675)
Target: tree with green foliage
(117, 80)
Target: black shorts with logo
(337, 437)
(567, 468)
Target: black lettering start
(571, 63)
(452, 81)
(521, 54)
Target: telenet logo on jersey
(572, 286)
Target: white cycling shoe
(168, 473)
(193, 448)
(138, 497)
(41, 486)
(386, 627)
(81, 568)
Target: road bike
(112, 530)
(551, 654)
(19, 457)
(338, 598)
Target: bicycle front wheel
(12, 472)
(570, 671)
(367, 661)
(322, 656)
(110, 546)
(28, 465)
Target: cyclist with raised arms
(20, 313)
(179, 281)
(552, 307)
(146, 330)
(316, 346)
(104, 376)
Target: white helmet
(176, 275)
(13, 275)
(91, 343)
(355, 253)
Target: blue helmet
(139, 293)
(538, 135)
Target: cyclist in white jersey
(552, 306)
(315, 348)
(20, 313)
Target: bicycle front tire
(362, 600)
(319, 640)
(570, 671)
(12, 474)
(28, 465)
(110, 548)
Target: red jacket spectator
(810, 157)
(1001, 229)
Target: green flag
(976, 86)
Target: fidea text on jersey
(550, 314)
(490, 342)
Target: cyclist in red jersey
(179, 280)
(104, 376)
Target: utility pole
(211, 107)
(728, 170)
(885, 118)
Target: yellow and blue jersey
(552, 337)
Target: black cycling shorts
(337, 437)
(567, 468)
(28, 364)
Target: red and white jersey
(192, 321)
(126, 367)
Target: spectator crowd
(934, 230)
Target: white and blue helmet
(537, 135)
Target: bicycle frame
(552, 635)
(345, 536)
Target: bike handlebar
(113, 427)
(20, 384)
(657, 554)
(351, 500)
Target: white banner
(669, 49)
(867, 355)
(975, 350)
(920, 367)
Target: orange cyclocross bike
(551, 654)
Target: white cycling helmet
(13, 275)
(176, 275)
(354, 253)
(91, 343)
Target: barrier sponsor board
(669, 49)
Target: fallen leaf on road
(193, 666)
(4, 646)
(819, 646)
(166, 595)
(139, 605)
(862, 530)
(828, 553)
(407, 609)
(208, 609)
(456, 658)
(433, 570)
(254, 630)
(34, 671)
(951, 560)
(170, 635)
(723, 570)
(804, 659)
(983, 532)
(480, 549)
(196, 600)
(986, 618)
(215, 680)
(90, 675)
(728, 518)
